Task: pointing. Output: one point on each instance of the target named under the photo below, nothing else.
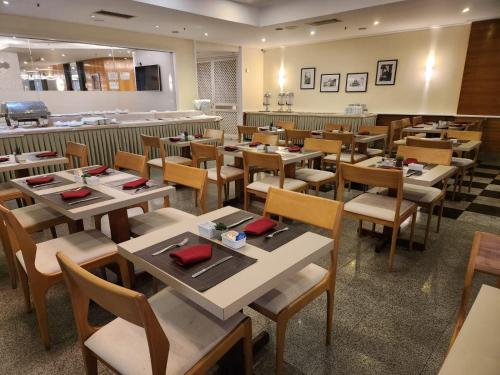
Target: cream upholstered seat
(377, 206)
(292, 288)
(191, 332)
(31, 216)
(171, 159)
(81, 247)
(159, 219)
(345, 157)
(264, 184)
(461, 162)
(414, 193)
(226, 172)
(313, 175)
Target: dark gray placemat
(268, 244)
(57, 199)
(57, 182)
(109, 171)
(152, 185)
(205, 281)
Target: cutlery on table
(202, 271)
(182, 243)
(46, 184)
(142, 188)
(271, 235)
(82, 200)
(239, 222)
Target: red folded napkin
(364, 133)
(230, 148)
(192, 254)
(82, 193)
(174, 139)
(198, 136)
(96, 171)
(294, 148)
(135, 184)
(39, 180)
(2, 159)
(410, 161)
(260, 226)
(46, 154)
(255, 144)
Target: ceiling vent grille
(324, 22)
(114, 14)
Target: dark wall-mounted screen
(148, 78)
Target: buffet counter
(103, 140)
(310, 120)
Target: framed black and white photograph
(307, 78)
(386, 72)
(356, 82)
(330, 83)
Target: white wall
(412, 93)
(252, 61)
(9, 76)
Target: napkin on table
(192, 254)
(260, 226)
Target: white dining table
(29, 160)
(476, 349)
(238, 291)
(456, 146)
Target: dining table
(362, 140)
(107, 196)
(21, 164)
(184, 144)
(459, 146)
(430, 128)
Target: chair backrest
(269, 162)
(192, 177)
(405, 122)
(465, 135)
(426, 155)
(417, 120)
(124, 303)
(215, 133)
(347, 139)
(484, 257)
(285, 124)
(374, 129)
(264, 138)
(202, 152)
(344, 127)
(149, 143)
(297, 137)
(428, 143)
(395, 132)
(78, 151)
(245, 132)
(475, 125)
(326, 146)
(131, 162)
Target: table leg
(238, 185)
(233, 361)
(20, 173)
(75, 226)
(118, 224)
(186, 152)
(290, 170)
(362, 147)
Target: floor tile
(491, 193)
(484, 209)
(493, 187)
(487, 201)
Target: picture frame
(307, 78)
(356, 82)
(330, 82)
(386, 72)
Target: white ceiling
(238, 22)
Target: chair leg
(97, 222)
(90, 362)
(360, 227)
(248, 347)
(40, 301)
(280, 345)
(412, 229)
(462, 176)
(329, 316)
(124, 272)
(246, 201)
(53, 232)
(219, 196)
(471, 178)
(394, 241)
(428, 225)
(25, 286)
(441, 208)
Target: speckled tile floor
(384, 323)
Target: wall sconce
(289, 97)
(281, 100)
(429, 67)
(267, 100)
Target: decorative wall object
(356, 82)
(281, 100)
(330, 82)
(290, 97)
(266, 101)
(386, 72)
(307, 78)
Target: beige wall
(252, 75)
(45, 29)
(411, 93)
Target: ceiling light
(5, 2)
(312, 32)
(465, 10)
(376, 23)
(109, 54)
(25, 62)
(92, 16)
(157, 26)
(63, 55)
(263, 40)
(42, 59)
(206, 34)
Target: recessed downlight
(465, 10)
(5, 2)
(312, 32)
(263, 40)
(63, 55)
(157, 26)
(206, 34)
(376, 23)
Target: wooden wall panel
(480, 93)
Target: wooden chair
(426, 196)
(417, 120)
(266, 139)
(376, 129)
(484, 257)
(349, 153)
(287, 125)
(129, 162)
(428, 143)
(475, 126)
(315, 178)
(270, 162)
(38, 269)
(296, 137)
(155, 143)
(245, 133)
(465, 164)
(222, 175)
(297, 291)
(139, 340)
(215, 133)
(337, 127)
(386, 210)
(405, 122)
(191, 177)
(395, 134)
(10, 193)
(77, 152)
